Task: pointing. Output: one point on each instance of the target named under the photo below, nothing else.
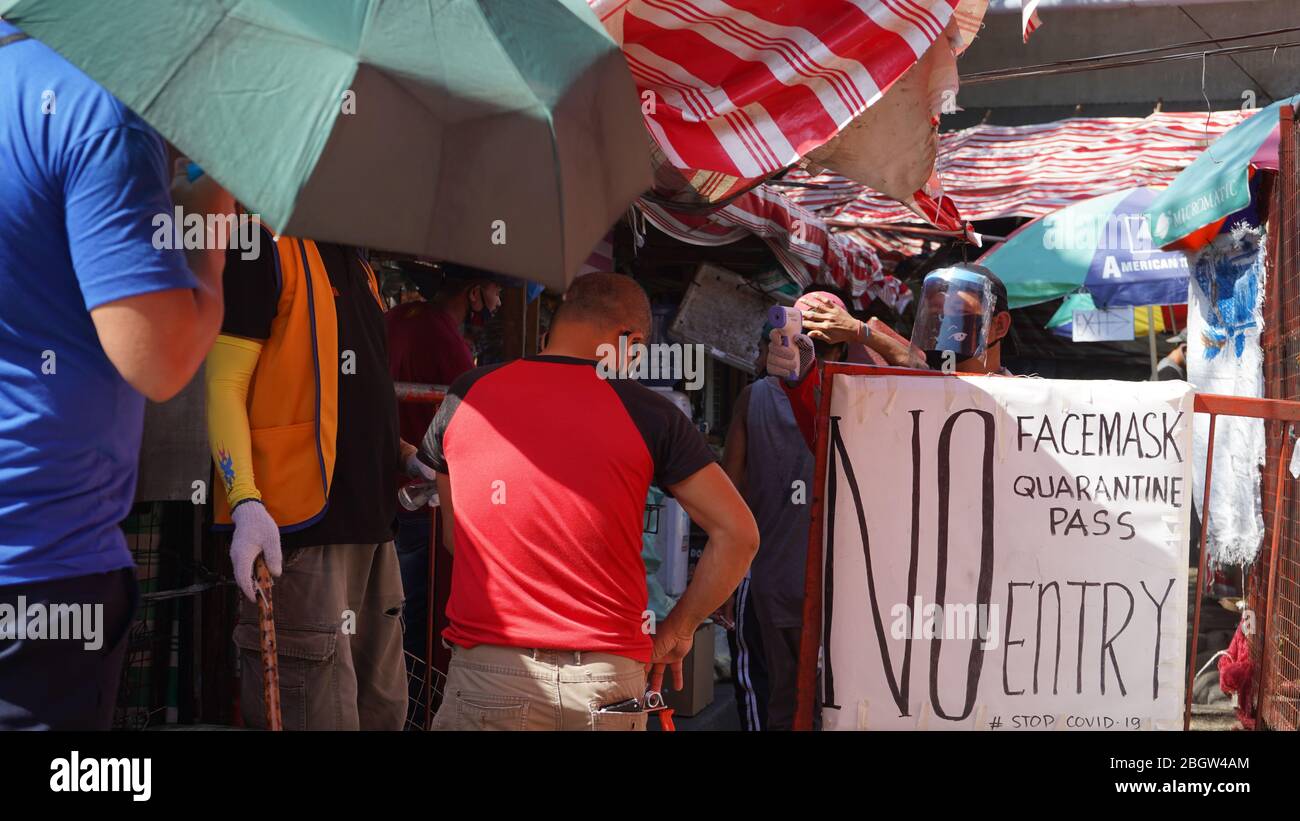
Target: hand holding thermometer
(788, 322)
(790, 352)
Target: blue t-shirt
(81, 179)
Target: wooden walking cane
(266, 633)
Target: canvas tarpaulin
(743, 89)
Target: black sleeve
(431, 452)
(252, 292)
(679, 450)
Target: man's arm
(448, 515)
(734, 451)
(230, 367)
(156, 341)
(896, 352)
(431, 457)
(831, 323)
(714, 504)
(251, 289)
(156, 337)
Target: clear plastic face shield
(953, 316)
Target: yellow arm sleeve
(229, 372)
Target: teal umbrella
(1189, 212)
(504, 134)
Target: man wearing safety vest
(302, 422)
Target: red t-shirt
(423, 346)
(549, 467)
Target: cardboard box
(697, 676)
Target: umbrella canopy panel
(1103, 245)
(1217, 183)
(500, 134)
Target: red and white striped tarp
(742, 88)
(888, 245)
(825, 193)
(1032, 170)
(1029, 22)
(801, 241)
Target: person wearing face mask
(427, 344)
(426, 339)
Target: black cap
(1000, 300)
(1000, 303)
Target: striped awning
(1032, 170)
(735, 90)
(801, 241)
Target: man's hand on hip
(255, 534)
(672, 644)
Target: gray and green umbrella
(504, 134)
(1216, 185)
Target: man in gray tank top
(768, 458)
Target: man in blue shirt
(93, 318)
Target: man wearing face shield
(961, 319)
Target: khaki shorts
(507, 688)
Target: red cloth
(424, 345)
(803, 401)
(1236, 675)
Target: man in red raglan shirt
(543, 465)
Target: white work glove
(255, 534)
(417, 469)
(790, 362)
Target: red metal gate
(1274, 582)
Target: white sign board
(1103, 325)
(1006, 553)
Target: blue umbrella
(1102, 246)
